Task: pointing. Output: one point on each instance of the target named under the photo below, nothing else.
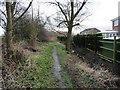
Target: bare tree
(9, 22)
(33, 32)
(72, 15)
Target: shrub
(79, 40)
(90, 41)
(62, 38)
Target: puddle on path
(57, 70)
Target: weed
(39, 76)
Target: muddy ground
(57, 70)
(87, 70)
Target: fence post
(114, 50)
(85, 38)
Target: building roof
(91, 29)
(108, 31)
(116, 18)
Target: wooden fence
(110, 50)
(106, 48)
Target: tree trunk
(33, 35)
(69, 37)
(9, 28)
(33, 40)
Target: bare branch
(85, 18)
(17, 12)
(3, 27)
(24, 11)
(72, 11)
(3, 21)
(53, 3)
(76, 24)
(84, 2)
(61, 23)
(3, 13)
(13, 6)
(58, 4)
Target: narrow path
(1, 63)
(57, 70)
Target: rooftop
(116, 18)
(91, 29)
(108, 31)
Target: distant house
(89, 31)
(116, 24)
(109, 34)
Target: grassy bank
(38, 72)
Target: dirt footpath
(57, 70)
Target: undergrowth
(39, 75)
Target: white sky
(103, 12)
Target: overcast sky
(103, 11)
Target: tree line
(18, 25)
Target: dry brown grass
(100, 75)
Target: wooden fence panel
(110, 50)
(118, 52)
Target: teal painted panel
(107, 53)
(107, 45)
(118, 54)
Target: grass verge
(62, 55)
(38, 74)
(39, 71)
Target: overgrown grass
(40, 74)
(62, 55)
(87, 79)
(45, 65)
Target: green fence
(110, 50)
(105, 48)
